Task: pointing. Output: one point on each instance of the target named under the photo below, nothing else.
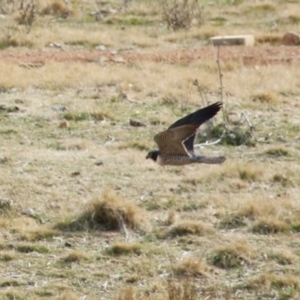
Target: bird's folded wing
(171, 140)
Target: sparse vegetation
(124, 249)
(188, 227)
(83, 214)
(232, 256)
(108, 212)
(179, 14)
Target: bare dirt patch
(258, 55)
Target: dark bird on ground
(176, 144)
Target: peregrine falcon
(176, 144)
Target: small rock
(59, 107)
(136, 123)
(291, 39)
(99, 163)
(55, 45)
(101, 48)
(118, 60)
(74, 174)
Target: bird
(176, 144)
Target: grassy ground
(83, 215)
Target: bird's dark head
(153, 155)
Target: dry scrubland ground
(83, 215)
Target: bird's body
(176, 144)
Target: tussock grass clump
(39, 234)
(84, 116)
(260, 208)
(180, 14)
(133, 145)
(28, 248)
(55, 7)
(260, 8)
(265, 97)
(231, 221)
(190, 266)
(271, 38)
(234, 136)
(249, 174)
(73, 144)
(277, 152)
(270, 225)
(6, 256)
(109, 212)
(124, 249)
(182, 289)
(283, 256)
(5, 206)
(188, 228)
(294, 19)
(68, 296)
(11, 283)
(267, 281)
(232, 256)
(282, 180)
(74, 256)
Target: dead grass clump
(265, 97)
(6, 256)
(231, 221)
(107, 213)
(283, 256)
(190, 267)
(273, 39)
(28, 248)
(267, 281)
(232, 256)
(11, 283)
(84, 116)
(260, 8)
(5, 206)
(270, 225)
(27, 13)
(68, 296)
(129, 293)
(124, 249)
(75, 256)
(39, 234)
(282, 180)
(73, 144)
(259, 207)
(294, 19)
(277, 152)
(132, 145)
(56, 7)
(179, 14)
(182, 290)
(188, 227)
(249, 173)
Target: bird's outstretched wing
(196, 119)
(171, 140)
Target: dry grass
(107, 213)
(83, 214)
(232, 256)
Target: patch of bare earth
(258, 55)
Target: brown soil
(258, 55)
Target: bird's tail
(210, 160)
